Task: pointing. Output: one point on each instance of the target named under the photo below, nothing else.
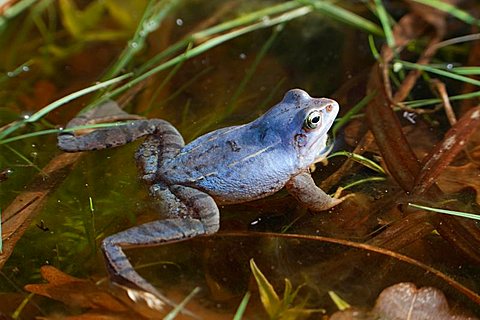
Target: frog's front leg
(192, 213)
(303, 188)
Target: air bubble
(179, 22)
(397, 66)
(243, 56)
(151, 25)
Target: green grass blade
(149, 22)
(385, 21)
(373, 48)
(58, 103)
(199, 36)
(340, 122)
(360, 159)
(178, 308)
(340, 14)
(339, 302)
(358, 182)
(21, 156)
(232, 104)
(241, 308)
(57, 131)
(13, 11)
(17, 71)
(207, 45)
(451, 9)
(270, 300)
(449, 212)
(466, 70)
(410, 65)
(426, 102)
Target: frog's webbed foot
(303, 188)
(135, 128)
(201, 218)
(156, 232)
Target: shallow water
(230, 84)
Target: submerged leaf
(405, 301)
(283, 309)
(74, 291)
(455, 178)
(77, 21)
(444, 152)
(269, 297)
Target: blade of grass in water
(213, 42)
(52, 106)
(13, 11)
(21, 156)
(242, 307)
(373, 49)
(179, 307)
(426, 102)
(467, 70)
(358, 182)
(449, 212)
(360, 159)
(451, 9)
(385, 21)
(184, 85)
(293, 11)
(410, 65)
(57, 131)
(150, 21)
(23, 68)
(340, 122)
(339, 302)
(260, 15)
(241, 87)
(338, 13)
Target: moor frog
(226, 166)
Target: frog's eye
(313, 120)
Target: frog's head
(304, 123)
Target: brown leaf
(17, 216)
(453, 179)
(444, 152)
(74, 291)
(405, 301)
(399, 157)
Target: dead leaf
(405, 301)
(17, 216)
(444, 152)
(74, 291)
(453, 179)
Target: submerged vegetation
(406, 148)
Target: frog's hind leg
(158, 147)
(110, 137)
(196, 214)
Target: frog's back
(233, 164)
